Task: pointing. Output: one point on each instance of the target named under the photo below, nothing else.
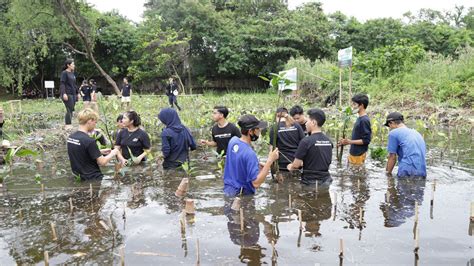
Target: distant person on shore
(176, 139)
(222, 131)
(93, 86)
(297, 114)
(361, 132)
(132, 139)
(408, 145)
(243, 173)
(84, 155)
(68, 91)
(126, 93)
(2, 120)
(314, 153)
(85, 90)
(172, 93)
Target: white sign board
(49, 84)
(291, 75)
(344, 56)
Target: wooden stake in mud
(289, 201)
(316, 186)
(434, 183)
(387, 197)
(241, 219)
(20, 214)
(360, 217)
(53, 230)
(335, 205)
(341, 248)
(122, 256)
(301, 219)
(42, 190)
(417, 243)
(472, 211)
(236, 204)
(46, 258)
(198, 255)
(432, 194)
(71, 206)
(358, 184)
(91, 191)
(415, 226)
(274, 254)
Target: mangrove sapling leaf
(77, 178)
(378, 153)
(38, 178)
(188, 169)
(133, 159)
(346, 118)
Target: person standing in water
(68, 91)
(222, 131)
(132, 139)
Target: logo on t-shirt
(323, 143)
(223, 136)
(235, 148)
(135, 140)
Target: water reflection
(401, 198)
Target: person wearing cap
(84, 155)
(314, 153)
(176, 139)
(241, 172)
(361, 132)
(408, 145)
(298, 115)
(222, 131)
(288, 137)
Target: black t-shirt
(223, 135)
(170, 88)
(287, 141)
(86, 91)
(83, 153)
(67, 83)
(126, 90)
(137, 141)
(303, 126)
(362, 130)
(315, 151)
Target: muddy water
(138, 212)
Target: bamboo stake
(46, 258)
(91, 191)
(415, 226)
(71, 206)
(122, 256)
(20, 214)
(198, 256)
(53, 230)
(341, 247)
(274, 254)
(340, 87)
(301, 219)
(42, 190)
(434, 183)
(472, 211)
(104, 225)
(289, 201)
(432, 194)
(335, 205)
(316, 186)
(387, 197)
(358, 184)
(360, 217)
(241, 219)
(417, 242)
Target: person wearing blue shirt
(176, 139)
(408, 145)
(361, 133)
(241, 172)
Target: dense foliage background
(227, 44)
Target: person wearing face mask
(314, 153)
(361, 132)
(242, 172)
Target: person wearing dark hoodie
(176, 139)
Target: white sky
(361, 9)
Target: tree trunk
(179, 79)
(87, 44)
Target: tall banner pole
(340, 87)
(350, 83)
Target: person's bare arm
(392, 159)
(104, 160)
(296, 164)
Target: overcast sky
(361, 9)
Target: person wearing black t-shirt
(361, 133)
(222, 131)
(84, 155)
(85, 90)
(288, 137)
(314, 153)
(126, 94)
(93, 87)
(172, 93)
(68, 90)
(132, 138)
(297, 114)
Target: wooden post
(70, 205)
(434, 182)
(360, 217)
(340, 87)
(417, 242)
(122, 256)
(316, 186)
(53, 230)
(91, 191)
(472, 211)
(242, 219)
(46, 258)
(387, 197)
(20, 214)
(358, 184)
(432, 194)
(274, 254)
(415, 226)
(335, 205)
(42, 190)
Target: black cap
(394, 116)
(248, 122)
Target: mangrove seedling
(346, 118)
(378, 153)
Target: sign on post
(344, 56)
(291, 75)
(49, 84)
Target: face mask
(254, 137)
(355, 110)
